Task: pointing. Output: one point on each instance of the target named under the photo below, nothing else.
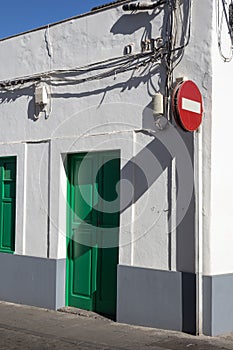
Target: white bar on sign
(190, 105)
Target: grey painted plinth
(32, 281)
(217, 304)
(154, 298)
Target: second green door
(93, 227)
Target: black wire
(143, 6)
(168, 58)
(114, 64)
(224, 14)
(182, 47)
(117, 65)
(110, 73)
(227, 20)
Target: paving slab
(25, 327)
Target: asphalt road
(23, 327)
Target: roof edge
(110, 4)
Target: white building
(77, 124)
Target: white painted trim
(133, 205)
(25, 198)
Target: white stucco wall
(220, 240)
(103, 114)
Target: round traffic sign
(187, 105)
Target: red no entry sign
(188, 105)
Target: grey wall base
(147, 297)
(154, 298)
(32, 281)
(217, 304)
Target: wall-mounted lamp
(42, 100)
(41, 95)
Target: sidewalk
(24, 327)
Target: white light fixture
(158, 111)
(41, 95)
(158, 108)
(42, 101)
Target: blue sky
(17, 16)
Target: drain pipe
(143, 6)
(199, 231)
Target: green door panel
(8, 228)
(107, 281)
(109, 175)
(81, 258)
(108, 186)
(92, 224)
(7, 204)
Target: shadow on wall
(144, 76)
(131, 23)
(10, 96)
(154, 77)
(142, 171)
(127, 24)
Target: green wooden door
(7, 204)
(92, 225)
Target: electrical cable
(228, 20)
(115, 65)
(172, 60)
(113, 72)
(143, 6)
(168, 58)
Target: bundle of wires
(177, 40)
(170, 52)
(82, 74)
(224, 11)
